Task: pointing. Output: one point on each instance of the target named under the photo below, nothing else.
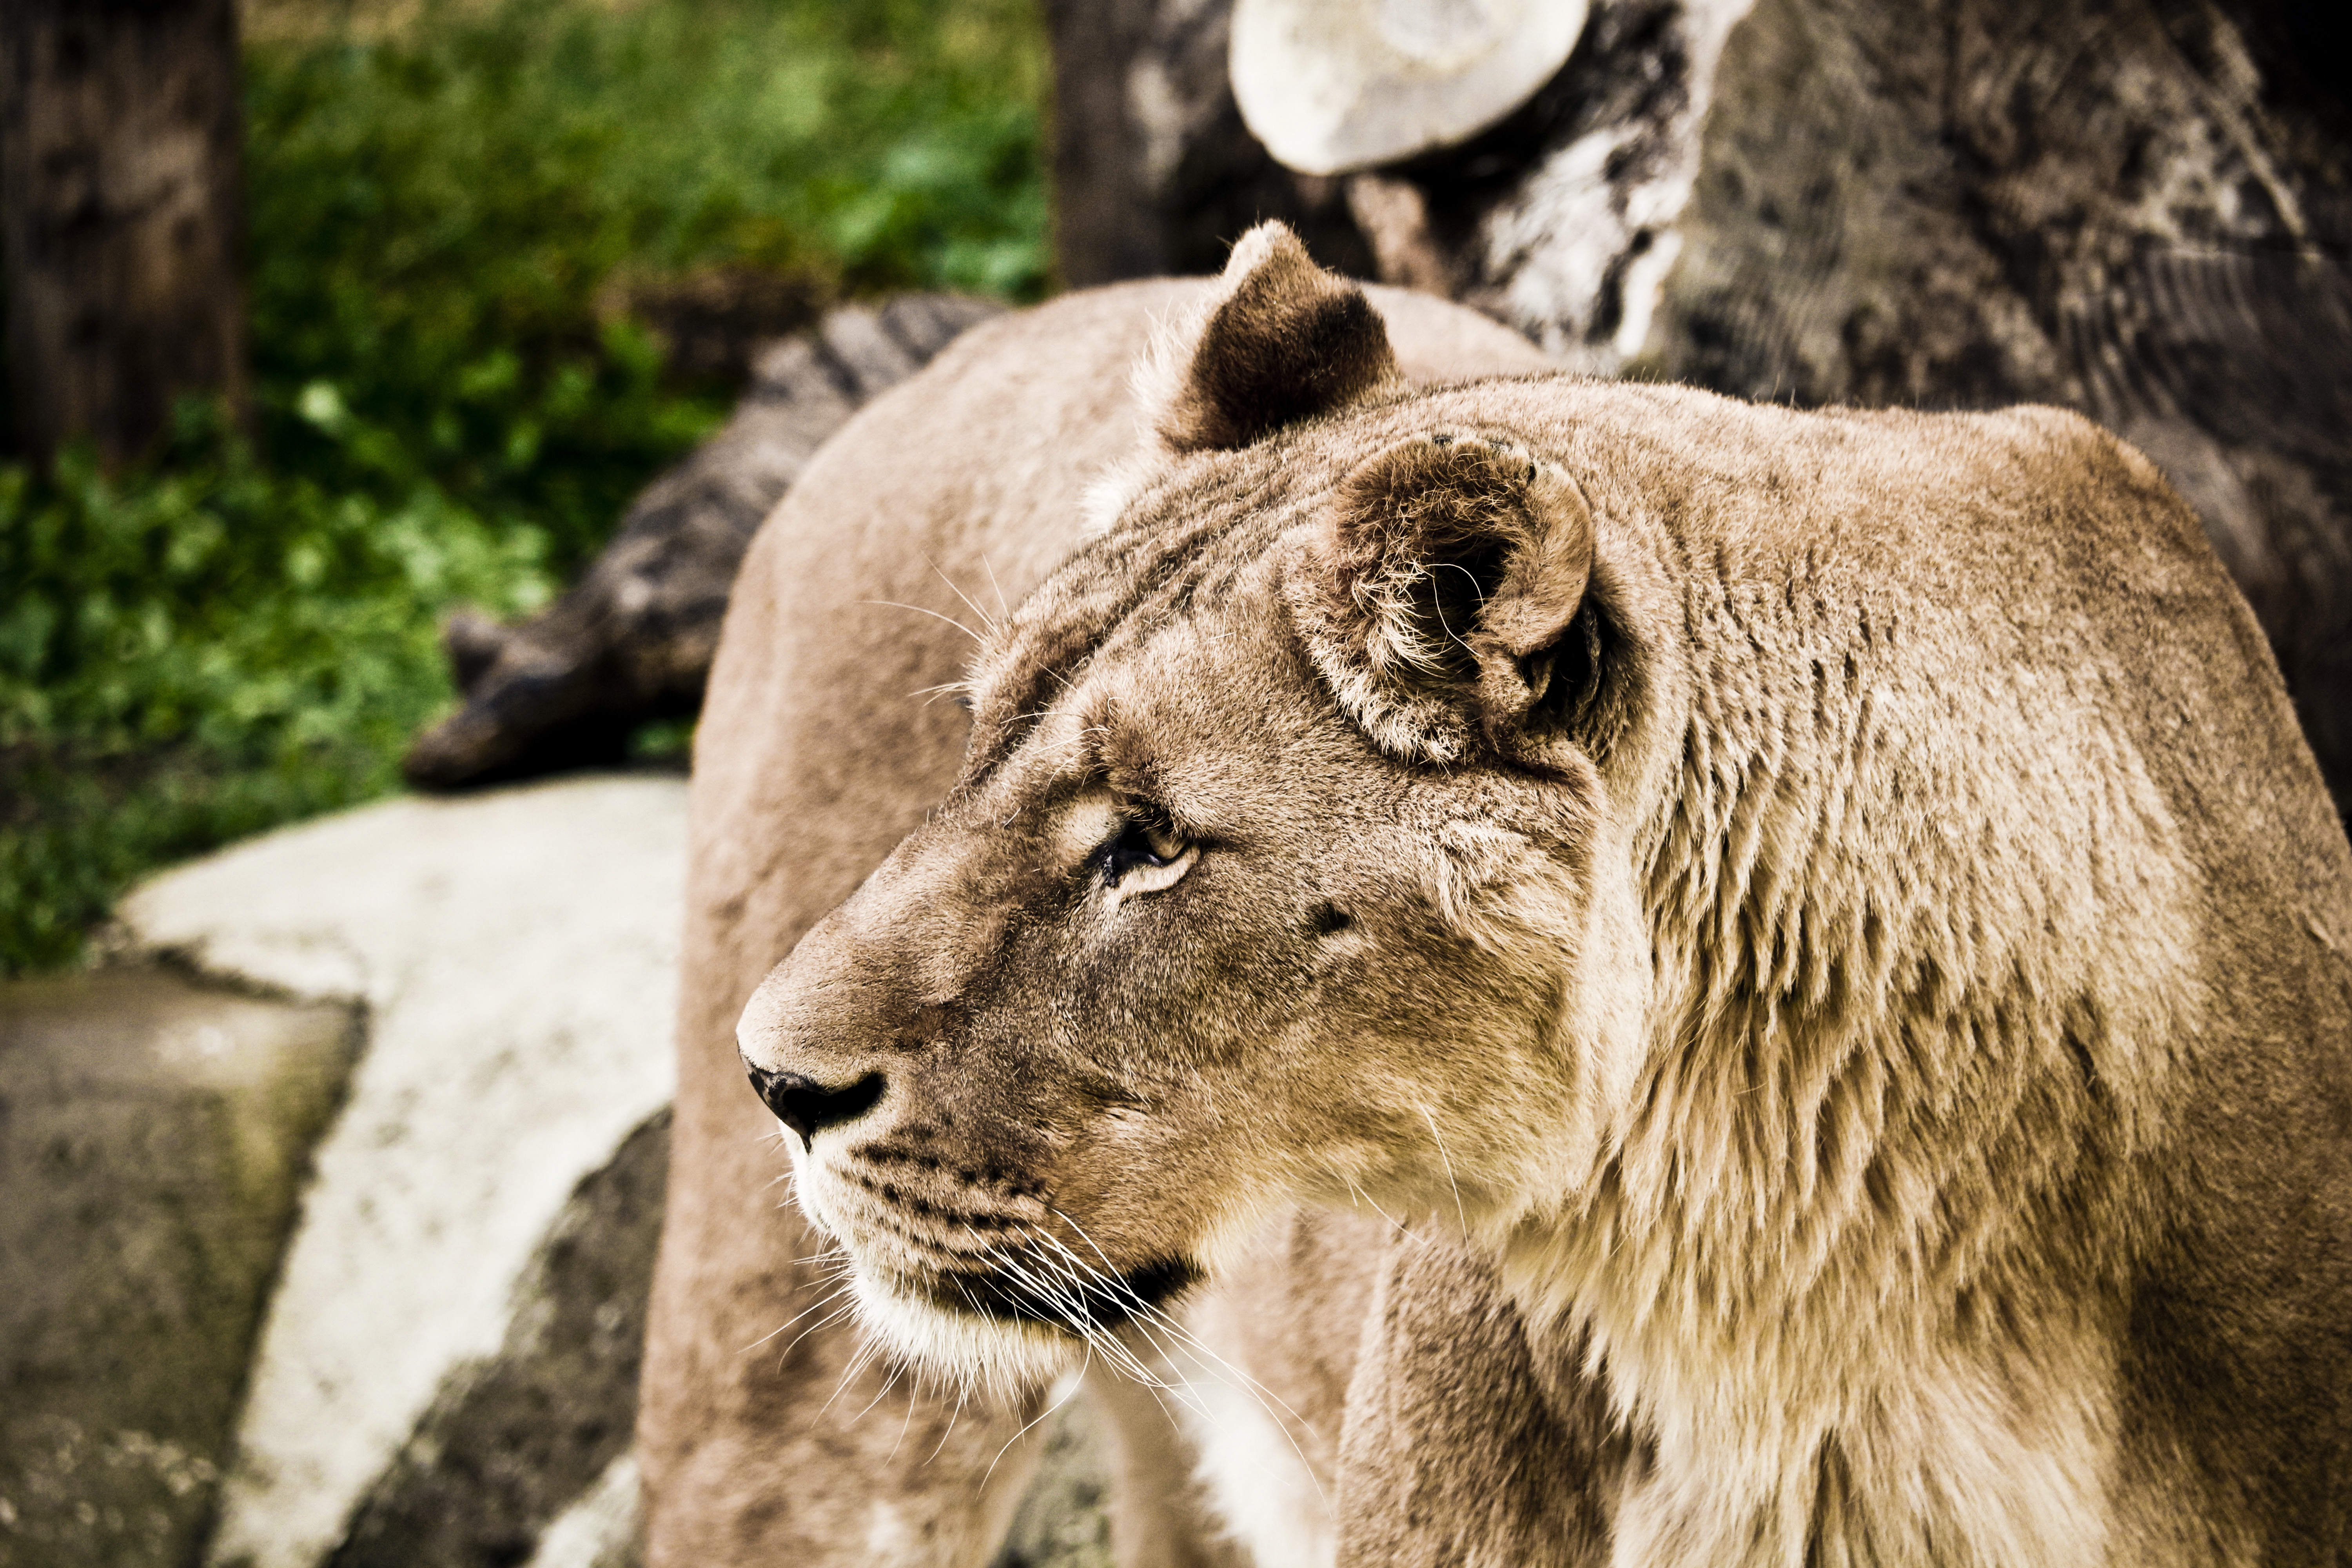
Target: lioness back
(1780, 973)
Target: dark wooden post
(122, 201)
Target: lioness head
(1277, 867)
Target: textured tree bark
(633, 640)
(2140, 209)
(121, 200)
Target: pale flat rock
(517, 955)
(516, 1445)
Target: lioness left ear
(1283, 341)
(1443, 598)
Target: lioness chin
(1808, 943)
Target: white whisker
(1442, 1154)
(1365, 1199)
(894, 604)
(836, 1315)
(829, 1297)
(1005, 608)
(962, 1392)
(1189, 1344)
(985, 618)
(904, 1423)
(887, 1385)
(867, 1351)
(1026, 1429)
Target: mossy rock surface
(153, 1136)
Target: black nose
(807, 1107)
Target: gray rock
(603, 1528)
(152, 1135)
(2141, 213)
(1154, 172)
(516, 955)
(1062, 1523)
(447, 1376)
(514, 1439)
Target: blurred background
(394, 384)
(493, 263)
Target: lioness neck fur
(1821, 922)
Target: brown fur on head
(1785, 887)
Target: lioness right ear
(1282, 340)
(1444, 599)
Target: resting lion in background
(1590, 973)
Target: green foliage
(208, 647)
(451, 407)
(433, 216)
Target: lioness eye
(1141, 844)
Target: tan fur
(1796, 956)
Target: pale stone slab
(517, 954)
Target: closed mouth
(1079, 1305)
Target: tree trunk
(122, 202)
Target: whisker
(985, 618)
(1055, 1295)
(1442, 1154)
(830, 1317)
(831, 1258)
(1365, 1199)
(1145, 1314)
(1189, 1344)
(962, 1390)
(1181, 1390)
(829, 1297)
(931, 694)
(887, 1385)
(1003, 607)
(907, 1422)
(1069, 1306)
(1024, 1431)
(867, 1353)
(894, 604)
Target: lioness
(1802, 950)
